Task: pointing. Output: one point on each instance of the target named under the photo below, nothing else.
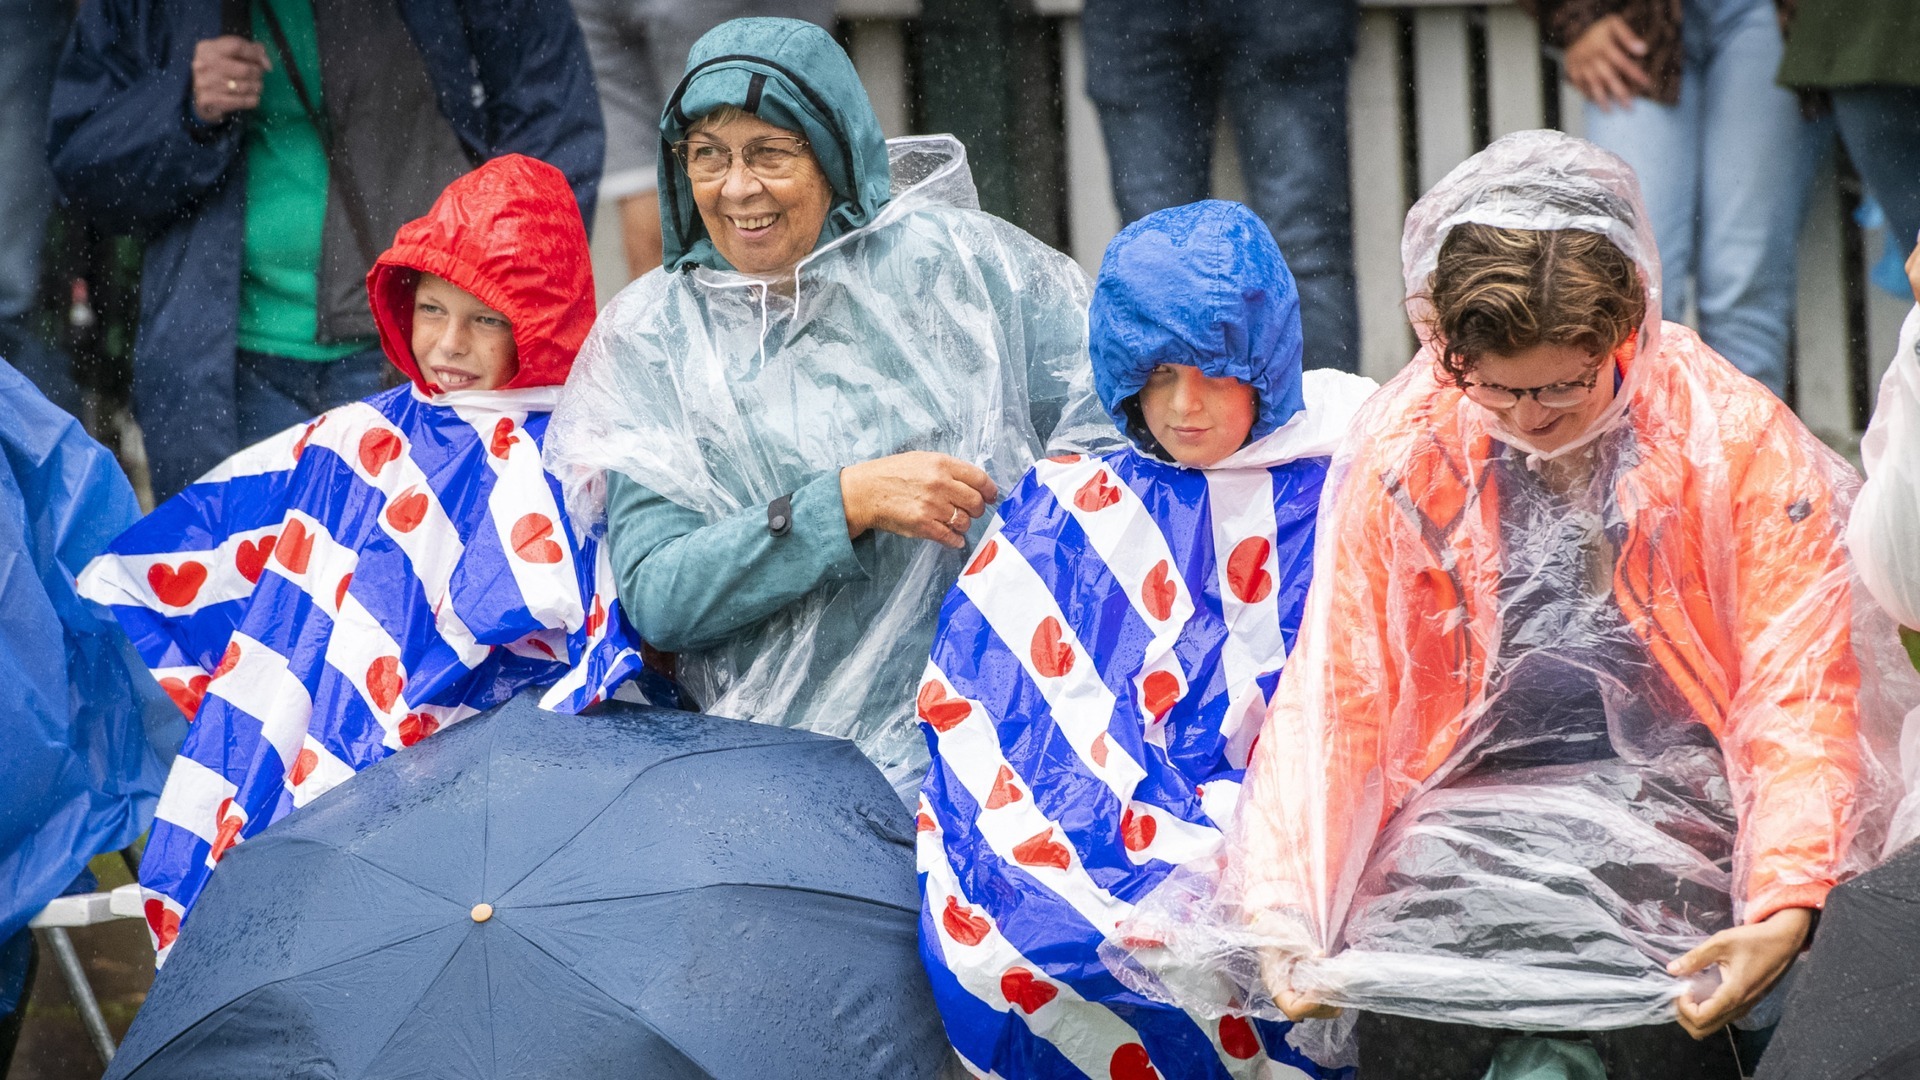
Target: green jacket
(1840, 43)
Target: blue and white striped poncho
(1101, 670)
(343, 590)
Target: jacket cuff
(1780, 898)
(820, 515)
(199, 130)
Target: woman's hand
(1603, 63)
(227, 72)
(1276, 971)
(919, 494)
(1751, 958)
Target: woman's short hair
(719, 117)
(1504, 291)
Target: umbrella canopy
(1850, 1015)
(635, 893)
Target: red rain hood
(510, 233)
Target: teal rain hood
(793, 75)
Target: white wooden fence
(1430, 83)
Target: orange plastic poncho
(1554, 718)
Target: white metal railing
(1443, 127)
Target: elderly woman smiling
(795, 423)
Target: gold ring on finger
(232, 85)
(957, 513)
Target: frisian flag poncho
(1099, 675)
(353, 585)
(346, 589)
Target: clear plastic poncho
(934, 327)
(1552, 718)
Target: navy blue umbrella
(632, 893)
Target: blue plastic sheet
(84, 731)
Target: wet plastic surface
(1553, 718)
(934, 327)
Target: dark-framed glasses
(774, 157)
(1560, 395)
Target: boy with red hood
(350, 586)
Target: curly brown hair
(1504, 291)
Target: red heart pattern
(295, 548)
(598, 617)
(177, 586)
(251, 558)
(303, 765)
(1042, 849)
(1004, 790)
(1157, 593)
(1131, 1062)
(163, 921)
(1023, 989)
(377, 448)
(985, 556)
(228, 660)
(540, 643)
(1098, 751)
(301, 446)
(407, 511)
(340, 591)
(923, 822)
(1052, 657)
(1247, 569)
(1096, 494)
(1137, 830)
(1158, 692)
(937, 709)
(532, 539)
(503, 438)
(1063, 459)
(1237, 1037)
(417, 726)
(228, 833)
(187, 694)
(963, 925)
(384, 682)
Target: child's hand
(1751, 958)
(1275, 969)
(919, 494)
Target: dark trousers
(1396, 1048)
(1161, 71)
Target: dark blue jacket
(510, 76)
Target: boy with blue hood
(1102, 666)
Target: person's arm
(1791, 733)
(538, 81)
(1886, 516)
(1604, 58)
(123, 139)
(686, 584)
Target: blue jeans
(273, 393)
(1880, 126)
(29, 49)
(1160, 71)
(1725, 173)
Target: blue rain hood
(793, 75)
(1204, 285)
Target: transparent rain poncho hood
(1551, 719)
(933, 327)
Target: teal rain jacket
(702, 395)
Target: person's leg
(18, 955)
(1758, 158)
(1398, 1048)
(28, 52)
(1661, 142)
(1285, 86)
(1660, 1051)
(1881, 128)
(352, 378)
(1151, 73)
(272, 393)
